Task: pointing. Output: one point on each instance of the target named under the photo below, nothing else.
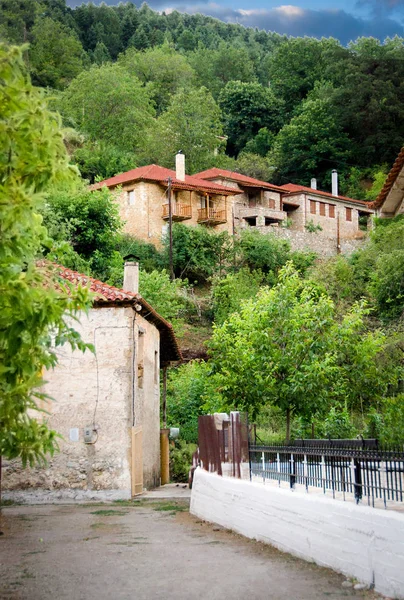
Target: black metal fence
(358, 469)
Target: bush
(337, 425)
(227, 293)
(188, 387)
(181, 460)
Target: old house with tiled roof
(390, 201)
(143, 200)
(308, 218)
(106, 405)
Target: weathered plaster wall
(84, 385)
(361, 542)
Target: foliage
(392, 432)
(253, 165)
(100, 160)
(228, 292)
(191, 124)
(188, 388)
(181, 460)
(311, 227)
(167, 297)
(199, 253)
(310, 143)
(247, 108)
(88, 221)
(337, 424)
(109, 105)
(32, 312)
(296, 354)
(268, 254)
(164, 70)
(56, 55)
(150, 259)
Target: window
(252, 221)
(312, 207)
(131, 197)
(322, 209)
(348, 214)
(271, 203)
(331, 211)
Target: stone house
(257, 203)
(143, 201)
(106, 406)
(390, 201)
(308, 218)
(327, 223)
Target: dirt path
(146, 551)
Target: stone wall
(142, 211)
(100, 389)
(361, 542)
(318, 242)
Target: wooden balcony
(211, 216)
(180, 211)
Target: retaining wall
(359, 541)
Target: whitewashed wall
(359, 541)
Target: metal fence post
(358, 480)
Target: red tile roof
(160, 175)
(390, 180)
(238, 177)
(293, 188)
(107, 294)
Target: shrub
(181, 460)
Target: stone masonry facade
(115, 388)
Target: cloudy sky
(343, 19)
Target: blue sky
(343, 19)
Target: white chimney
(334, 182)
(313, 184)
(180, 166)
(131, 277)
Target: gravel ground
(147, 550)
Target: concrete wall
(84, 384)
(361, 542)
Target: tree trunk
(288, 411)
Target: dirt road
(146, 551)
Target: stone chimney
(180, 166)
(313, 183)
(334, 182)
(131, 277)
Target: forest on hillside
(125, 79)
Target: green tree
(165, 70)
(167, 297)
(56, 55)
(310, 142)
(101, 54)
(32, 311)
(109, 105)
(229, 291)
(89, 222)
(199, 253)
(17, 18)
(188, 388)
(285, 348)
(247, 108)
(191, 124)
(100, 160)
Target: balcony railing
(180, 212)
(211, 216)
